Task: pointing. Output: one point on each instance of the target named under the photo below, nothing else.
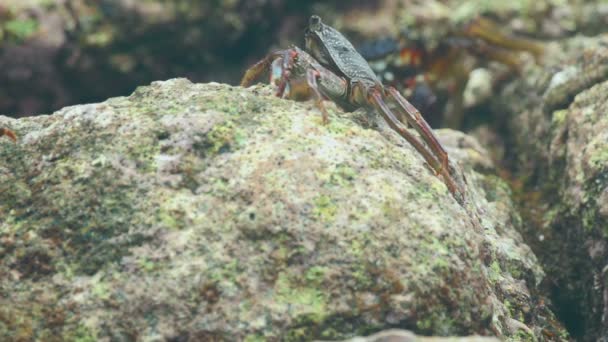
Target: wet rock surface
(556, 124)
(206, 212)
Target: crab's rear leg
(415, 119)
(10, 134)
(375, 98)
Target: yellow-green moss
(559, 117)
(315, 274)
(254, 338)
(523, 336)
(101, 290)
(343, 175)
(178, 211)
(599, 158)
(81, 334)
(21, 29)
(222, 137)
(303, 300)
(325, 208)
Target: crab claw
(10, 134)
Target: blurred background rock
(55, 53)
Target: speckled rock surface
(206, 212)
(395, 335)
(556, 118)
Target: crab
(10, 134)
(330, 67)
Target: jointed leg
(415, 119)
(10, 134)
(259, 68)
(280, 64)
(287, 63)
(376, 100)
(311, 78)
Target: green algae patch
(81, 334)
(343, 175)
(495, 272)
(21, 29)
(316, 274)
(307, 303)
(254, 338)
(224, 138)
(599, 155)
(559, 117)
(325, 208)
(179, 210)
(339, 127)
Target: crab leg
(375, 98)
(288, 59)
(311, 78)
(415, 119)
(259, 68)
(10, 134)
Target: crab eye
(314, 24)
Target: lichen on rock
(558, 146)
(205, 211)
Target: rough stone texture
(395, 335)
(556, 123)
(207, 212)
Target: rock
(557, 132)
(395, 335)
(209, 212)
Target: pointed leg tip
(10, 134)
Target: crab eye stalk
(315, 23)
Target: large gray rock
(556, 120)
(206, 212)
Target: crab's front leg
(415, 119)
(10, 134)
(262, 67)
(373, 95)
(299, 76)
